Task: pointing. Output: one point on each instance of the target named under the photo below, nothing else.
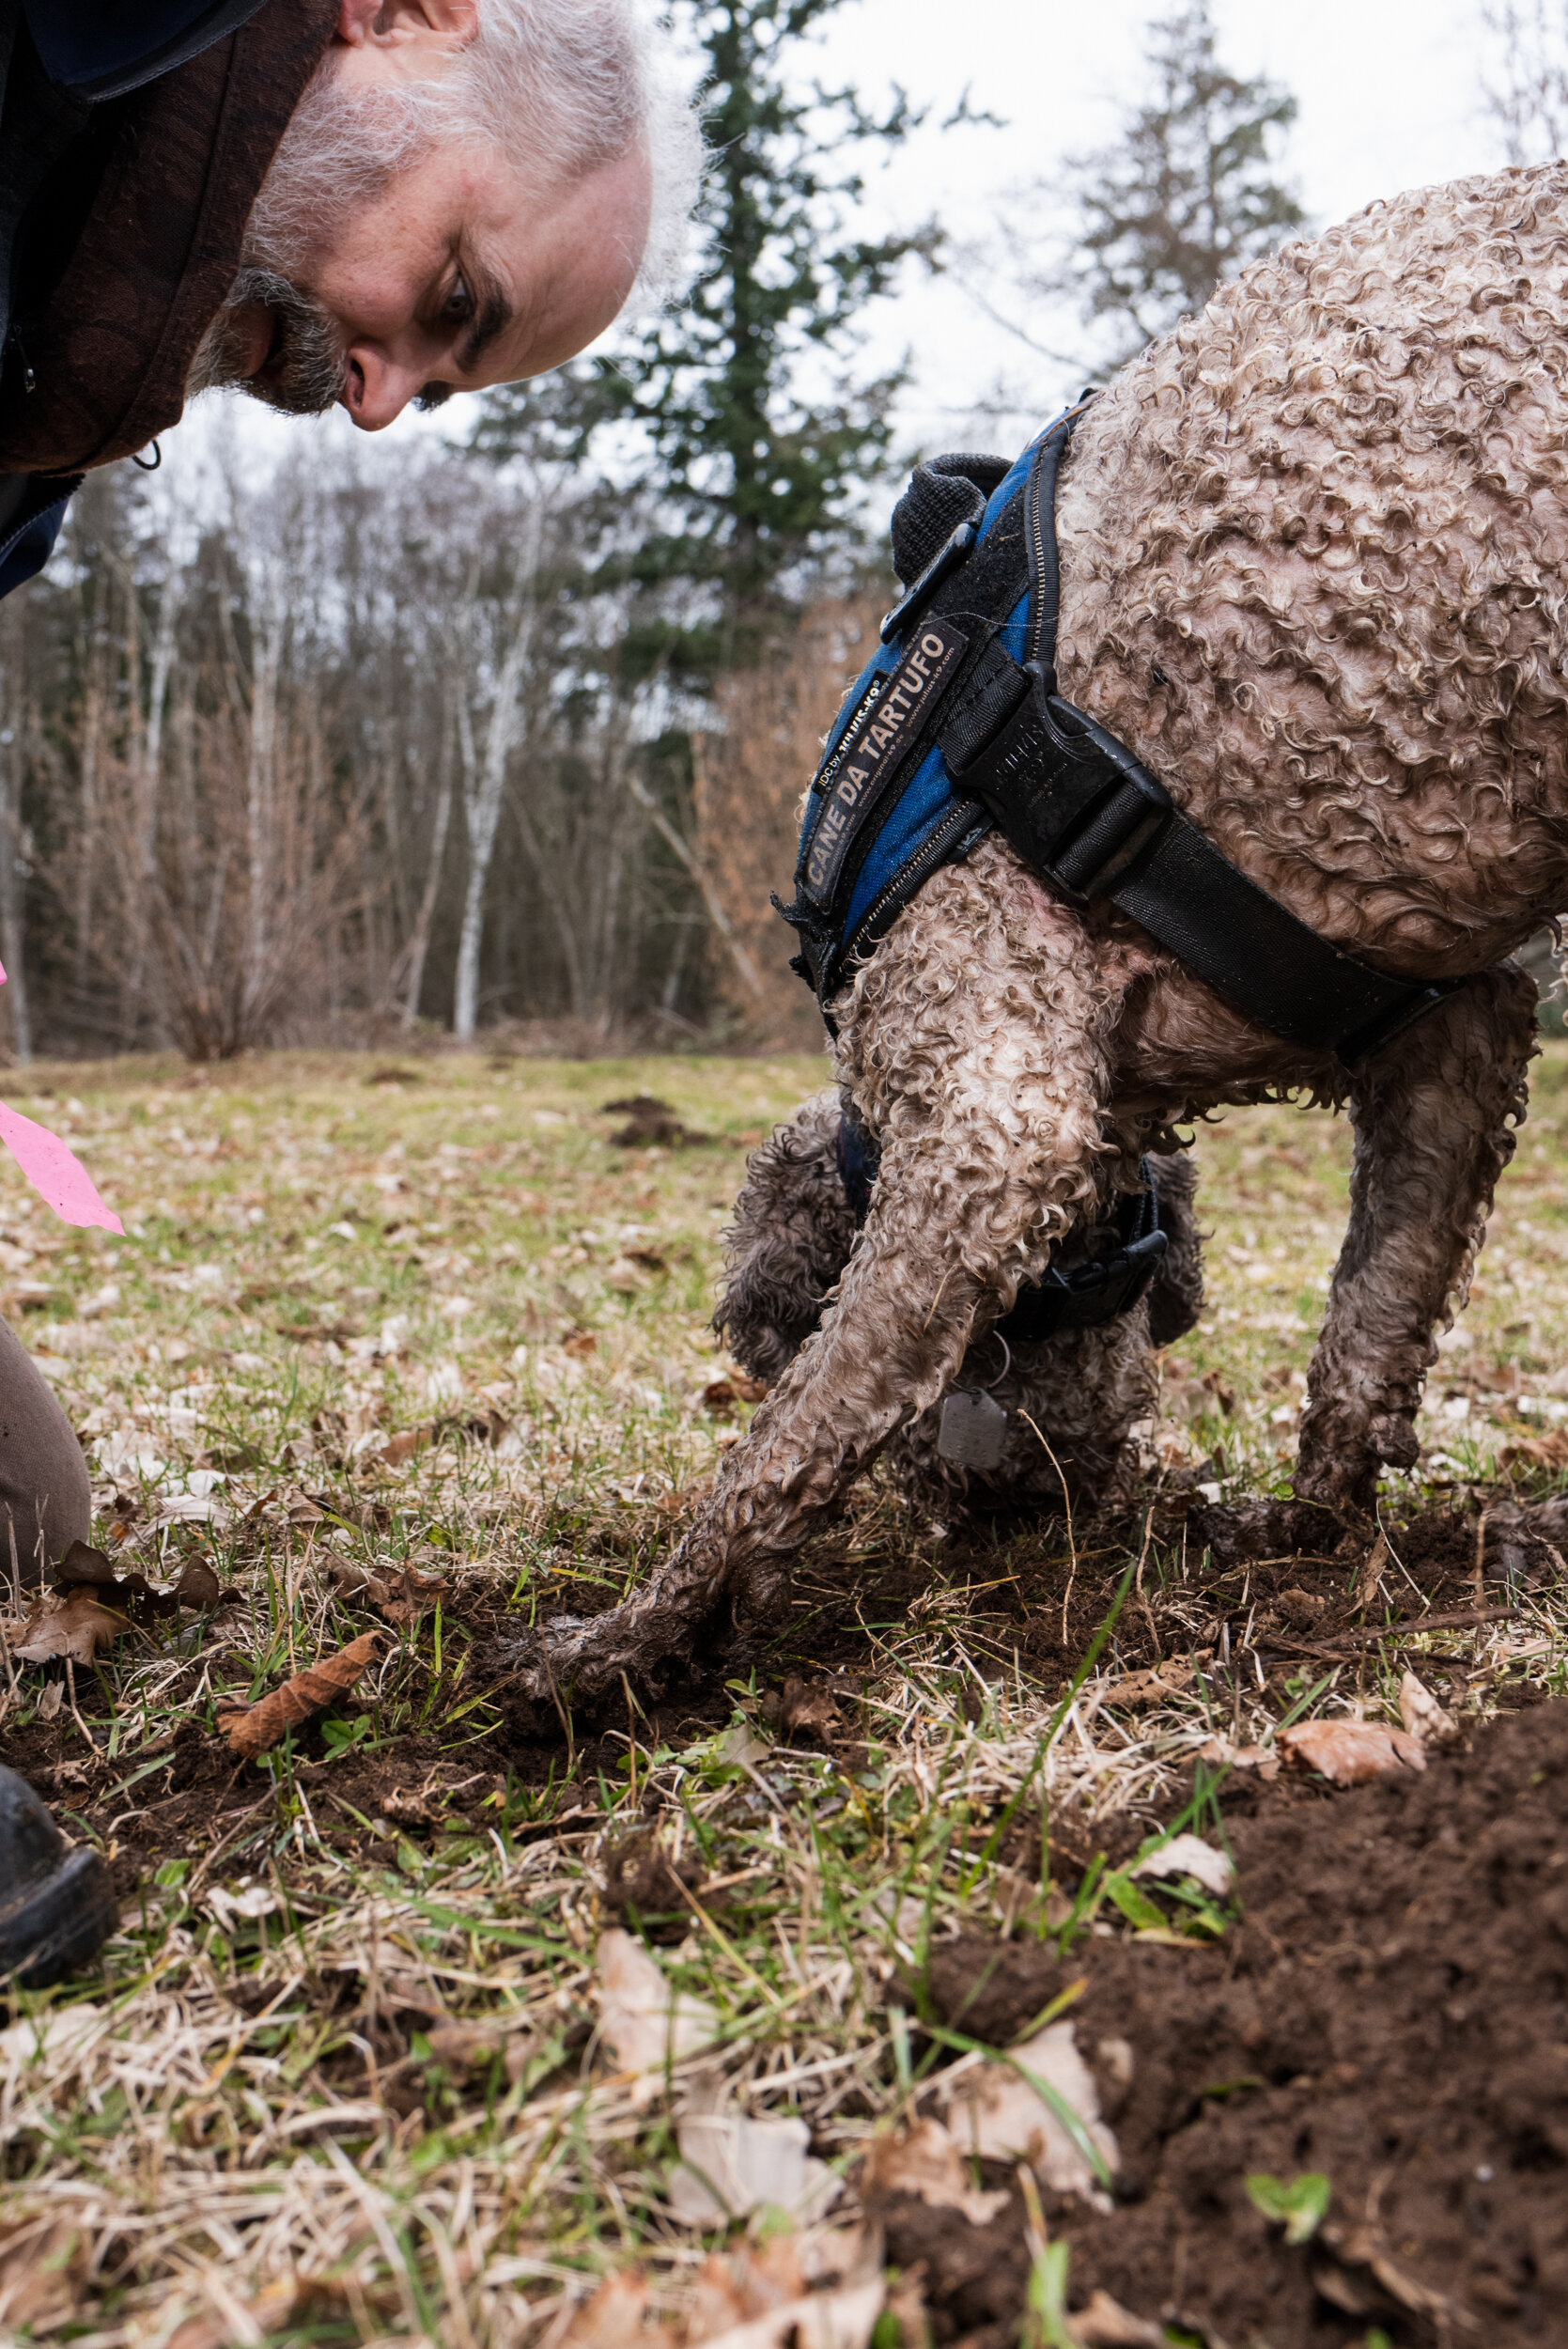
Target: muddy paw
(1240, 1529)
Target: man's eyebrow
(495, 316)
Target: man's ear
(388, 24)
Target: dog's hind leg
(989, 1151)
(1434, 1114)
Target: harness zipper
(1037, 572)
(924, 860)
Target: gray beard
(339, 152)
(305, 370)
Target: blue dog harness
(955, 728)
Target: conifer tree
(1183, 199)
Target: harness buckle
(918, 594)
(1104, 843)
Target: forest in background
(511, 734)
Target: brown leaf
(1536, 1452)
(799, 1706)
(1349, 1753)
(1154, 1686)
(400, 1597)
(1421, 1713)
(1104, 2324)
(74, 1628)
(719, 1396)
(255, 1728)
(924, 2160)
(44, 2268)
(84, 1565)
(402, 1447)
(752, 2283)
(1219, 1751)
(198, 1586)
(613, 2318)
(277, 2307)
(133, 1596)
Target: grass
(327, 1255)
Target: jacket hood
(108, 348)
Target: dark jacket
(133, 142)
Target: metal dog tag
(973, 1430)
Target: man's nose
(376, 388)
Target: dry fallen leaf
(1189, 1855)
(732, 2164)
(1536, 1452)
(924, 2160)
(400, 1597)
(646, 2021)
(199, 1585)
(845, 2318)
(997, 2114)
(253, 1729)
(73, 1628)
(1154, 1686)
(84, 1568)
(293, 2302)
(1104, 2324)
(44, 2268)
(1421, 1713)
(757, 2299)
(1222, 1754)
(611, 2318)
(1349, 1753)
(814, 1709)
(83, 1564)
(469, 2046)
(403, 1447)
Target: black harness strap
(1080, 1295)
(1093, 822)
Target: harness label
(881, 733)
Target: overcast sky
(1389, 93)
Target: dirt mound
(1392, 2011)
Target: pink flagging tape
(57, 1174)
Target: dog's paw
(1241, 1529)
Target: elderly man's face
(454, 276)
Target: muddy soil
(1274, 1616)
(1392, 2011)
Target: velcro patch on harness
(884, 730)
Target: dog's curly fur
(1075, 1403)
(1314, 572)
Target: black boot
(58, 1906)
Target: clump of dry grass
(350, 2030)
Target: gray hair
(559, 88)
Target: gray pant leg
(43, 1477)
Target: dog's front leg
(976, 1049)
(921, 1274)
(1434, 1114)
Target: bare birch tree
(1526, 91)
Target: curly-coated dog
(1067, 1407)
(1314, 576)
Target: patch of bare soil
(1392, 2011)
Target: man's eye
(458, 308)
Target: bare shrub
(750, 770)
